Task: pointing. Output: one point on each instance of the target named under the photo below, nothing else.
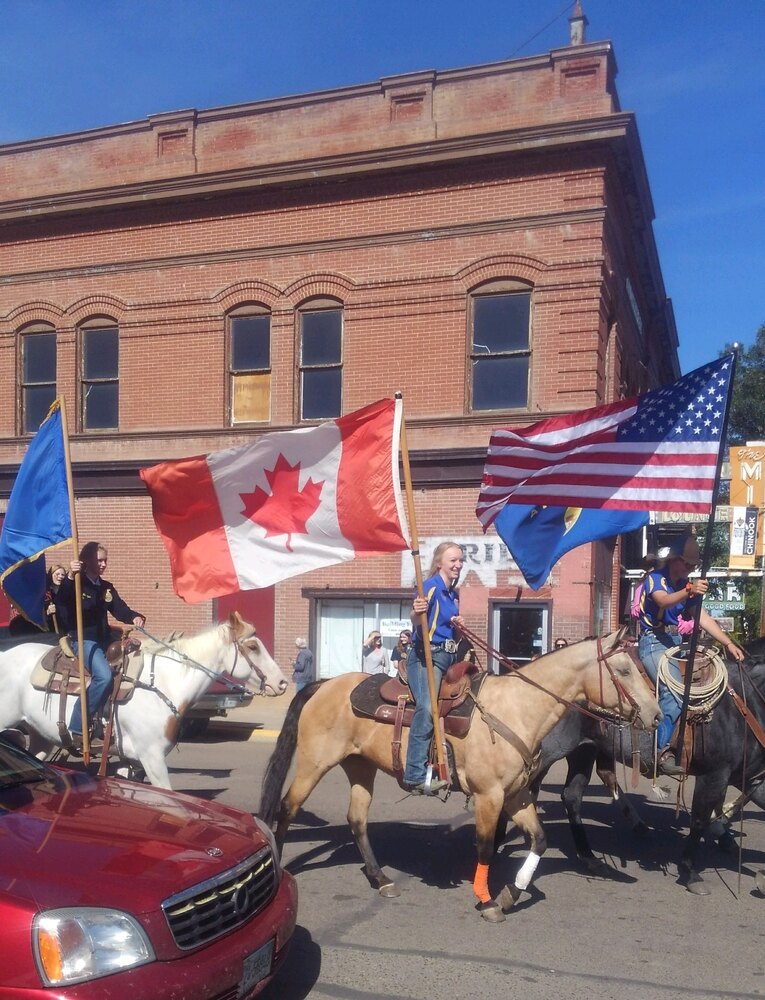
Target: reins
(602, 661)
(214, 674)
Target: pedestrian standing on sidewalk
(302, 665)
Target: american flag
(657, 452)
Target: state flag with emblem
(289, 502)
(658, 451)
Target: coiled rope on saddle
(704, 695)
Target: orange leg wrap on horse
(481, 883)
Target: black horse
(727, 754)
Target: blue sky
(691, 70)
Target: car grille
(219, 905)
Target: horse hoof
(593, 866)
(698, 888)
(491, 912)
(759, 881)
(508, 897)
(389, 891)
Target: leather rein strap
(748, 716)
(495, 725)
(602, 662)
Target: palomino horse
(728, 752)
(173, 678)
(323, 728)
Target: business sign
(723, 607)
(743, 538)
(484, 555)
(723, 514)
(747, 483)
(392, 627)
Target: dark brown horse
(323, 728)
(729, 752)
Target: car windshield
(18, 767)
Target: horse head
(618, 683)
(252, 661)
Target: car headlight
(74, 944)
(268, 833)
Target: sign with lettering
(393, 627)
(743, 538)
(723, 514)
(747, 482)
(484, 555)
(723, 607)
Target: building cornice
(608, 129)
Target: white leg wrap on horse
(526, 873)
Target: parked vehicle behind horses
(324, 730)
(175, 674)
(727, 752)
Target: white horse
(146, 727)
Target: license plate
(256, 967)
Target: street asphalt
(636, 935)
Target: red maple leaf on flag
(286, 509)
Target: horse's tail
(281, 759)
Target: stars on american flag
(692, 409)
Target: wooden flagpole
(705, 561)
(414, 546)
(77, 585)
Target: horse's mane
(178, 641)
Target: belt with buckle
(449, 645)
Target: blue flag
(37, 519)
(538, 536)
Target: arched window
(99, 375)
(248, 354)
(321, 359)
(37, 375)
(500, 346)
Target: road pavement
(634, 936)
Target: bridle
(240, 646)
(625, 646)
(628, 647)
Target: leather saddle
(57, 669)
(385, 698)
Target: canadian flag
(288, 503)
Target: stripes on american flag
(657, 451)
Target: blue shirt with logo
(443, 605)
(653, 617)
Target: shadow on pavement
(300, 972)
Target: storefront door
(520, 631)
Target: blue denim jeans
(100, 681)
(651, 648)
(421, 731)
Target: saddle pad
(366, 701)
(44, 679)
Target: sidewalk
(263, 717)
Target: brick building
(479, 239)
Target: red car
(110, 889)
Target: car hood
(75, 840)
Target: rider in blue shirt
(668, 594)
(441, 606)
